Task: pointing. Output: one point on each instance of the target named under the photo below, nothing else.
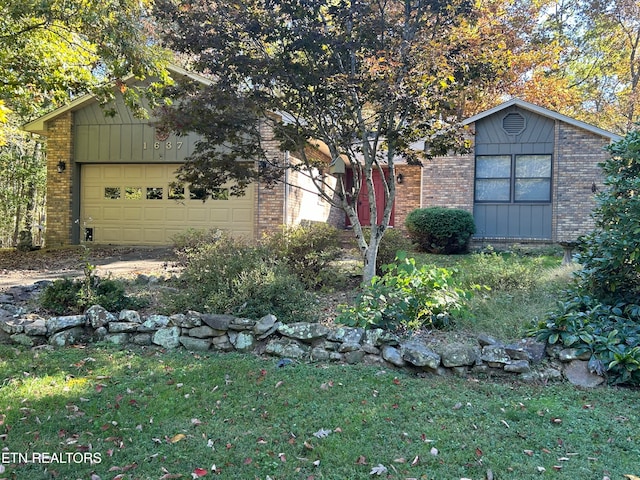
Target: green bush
(409, 297)
(602, 315)
(610, 254)
(228, 276)
(67, 296)
(307, 251)
(441, 230)
(611, 334)
(502, 272)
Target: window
(493, 178)
(197, 193)
(176, 192)
(154, 193)
(112, 193)
(517, 178)
(220, 194)
(533, 178)
(133, 193)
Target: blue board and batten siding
(514, 219)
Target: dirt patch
(26, 268)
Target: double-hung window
(513, 178)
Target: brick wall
(59, 185)
(448, 182)
(408, 193)
(577, 154)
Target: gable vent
(513, 123)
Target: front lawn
(147, 414)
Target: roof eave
(39, 124)
(544, 112)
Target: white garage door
(137, 205)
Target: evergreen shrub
(441, 230)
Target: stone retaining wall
(308, 342)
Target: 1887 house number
(167, 145)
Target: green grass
(522, 289)
(151, 414)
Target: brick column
(59, 185)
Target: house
(531, 176)
(111, 180)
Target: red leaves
(199, 472)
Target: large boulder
(303, 331)
(168, 337)
(287, 347)
(419, 355)
(57, 324)
(458, 354)
(98, 316)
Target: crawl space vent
(513, 123)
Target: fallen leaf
(415, 461)
(247, 461)
(400, 460)
(528, 452)
(378, 470)
(362, 460)
(557, 421)
(178, 437)
(170, 476)
(316, 463)
(99, 387)
(282, 457)
(279, 383)
(631, 477)
(504, 422)
(434, 451)
(557, 467)
(308, 446)
(199, 472)
(541, 469)
(195, 422)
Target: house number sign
(167, 145)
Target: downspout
(287, 190)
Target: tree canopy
(367, 79)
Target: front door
(364, 213)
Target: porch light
(62, 166)
(400, 178)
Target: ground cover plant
(149, 414)
(601, 312)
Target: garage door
(137, 205)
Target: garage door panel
(154, 214)
(147, 216)
(241, 214)
(113, 214)
(220, 215)
(175, 214)
(108, 234)
(197, 216)
(132, 235)
(132, 213)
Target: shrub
(407, 296)
(441, 230)
(306, 250)
(502, 272)
(611, 334)
(229, 276)
(67, 296)
(610, 254)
